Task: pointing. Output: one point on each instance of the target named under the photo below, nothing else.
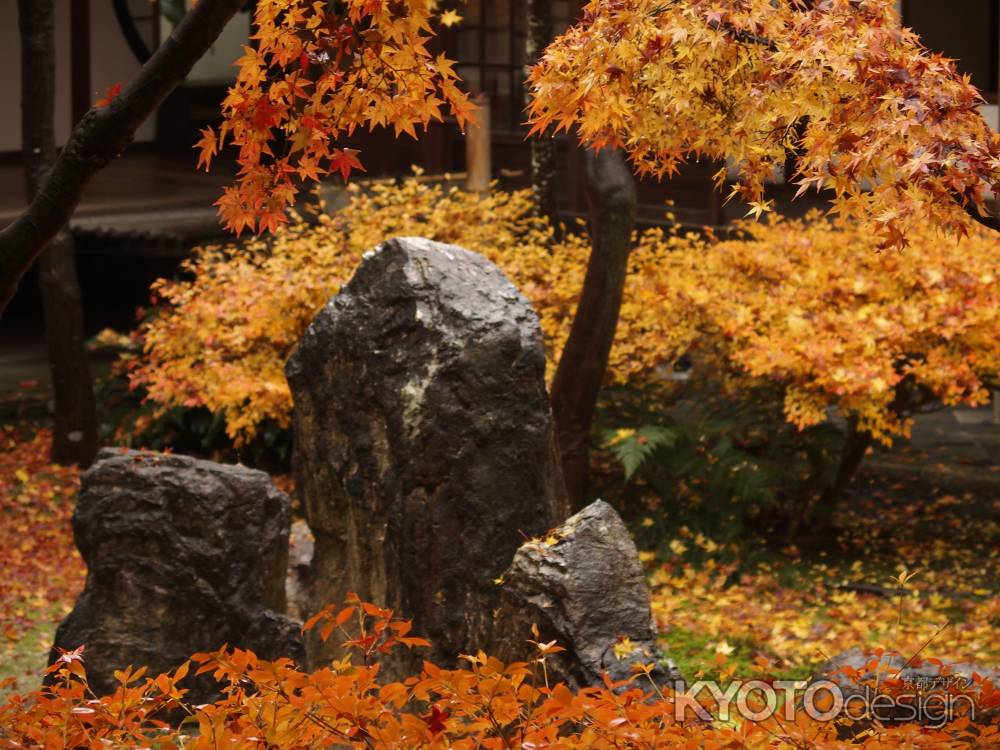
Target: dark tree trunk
(74, 439)
(908, 399)
(75, 430)
(828, 491)
(543, 149)
(611, 193)
(856, 445)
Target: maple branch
(102, 135)
(990, 222)
(744, 36)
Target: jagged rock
(182, 556)
(424, 444)
(851, 672)
(583, 586)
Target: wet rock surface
(424, 444)
(584, 587)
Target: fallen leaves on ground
(41, 571)
(796, 612)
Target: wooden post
(477, 148)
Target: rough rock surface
(583, 586)
(424, 444)
(182, 556)
(891, 663)
(922, 676)
(301, 544)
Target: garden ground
(720, 608)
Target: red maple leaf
(435, 720)
(109, 96)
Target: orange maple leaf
(113, 92)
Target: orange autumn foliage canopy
(312, 77)
(870, 114)
(890, 128)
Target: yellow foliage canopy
(222, 338)
(810, 304)
(893, 130)
(814, 306)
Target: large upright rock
(583, 587)
(424, 445)
(182, 556)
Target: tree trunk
(856, 446)
(75, 430)
(74, 439)
(611, 193)
(543, 149)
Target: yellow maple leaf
(450, 18)
(623, 648)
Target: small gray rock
(894, 665)
(920, 677)
(584, 588)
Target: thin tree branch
(102, 135)
(990, 222)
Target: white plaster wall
(10, 81)
(217, 65)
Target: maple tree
(809, 306)
(890, 129)
(807, 315)
(220, 337)
(612, 197)
(75, 413)
(315, 76)
(101, 136)
(871, 115)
